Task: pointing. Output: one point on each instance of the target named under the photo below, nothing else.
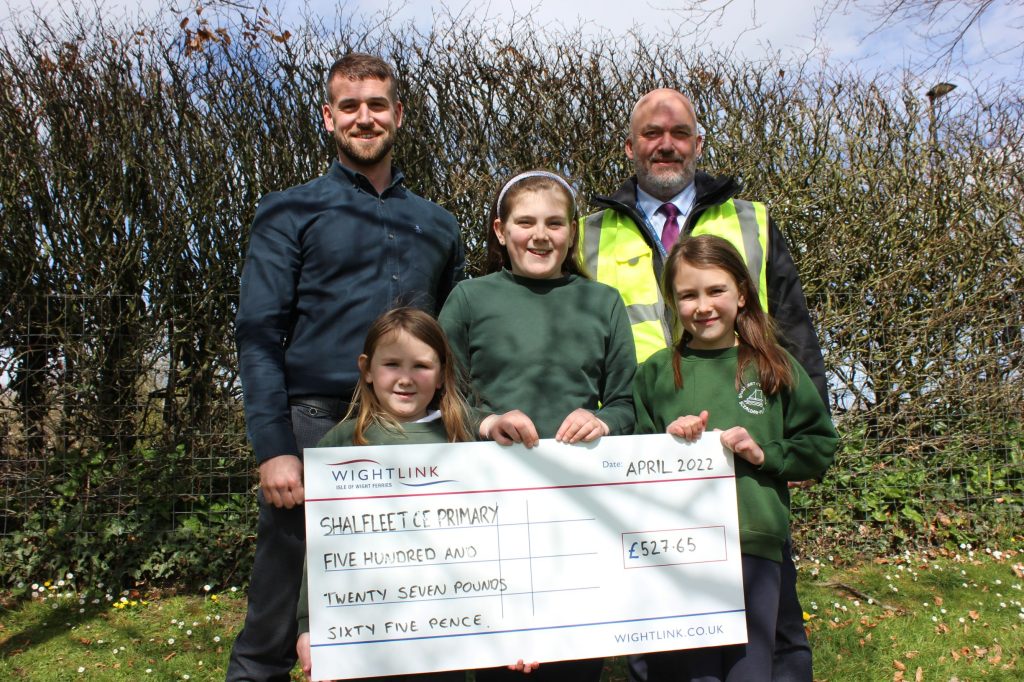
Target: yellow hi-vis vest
(616, 253)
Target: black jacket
(786, 301)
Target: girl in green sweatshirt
(408, 393)
(727, 372)
(538, 336)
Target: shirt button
(394, 277)
(391, 235)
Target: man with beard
(325, 260)
(625, 245)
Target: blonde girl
(408, 393)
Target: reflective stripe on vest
(615, 253)
(744, 224)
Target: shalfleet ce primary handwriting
(446, 517)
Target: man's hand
(281, 480)
(512, 427)
(581, 426)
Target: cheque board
(455, 556)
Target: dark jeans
(265, 648)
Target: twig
(864, 596)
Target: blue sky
(755, 27)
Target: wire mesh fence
(78, 473)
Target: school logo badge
(751, 397)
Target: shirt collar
(649, 205)
(357, 178)
(431, 416)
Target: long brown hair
(755, 329)
(504, 198)
(448, 399)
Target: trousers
(750, 662)
(792, 660)
(264, 650)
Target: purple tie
(669, 233)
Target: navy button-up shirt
(325, 260)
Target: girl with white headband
(536, 335)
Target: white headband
(538, 174)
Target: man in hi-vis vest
(625, 245)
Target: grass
(949, 616)
(939, 616)
(61, 633)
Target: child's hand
(302, 649)
(581, 425)
(512, 427)
(525, 668)
(739, 441)
(689, 427)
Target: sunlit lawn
(949, 617)
(90, 634)
(935, 616)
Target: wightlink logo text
(370, 471)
